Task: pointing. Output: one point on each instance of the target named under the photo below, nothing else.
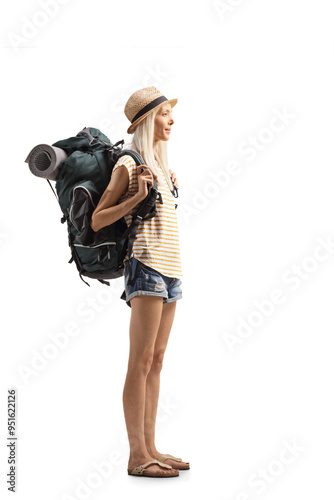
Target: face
(163, 122)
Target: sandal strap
(140, 469)
(166, 456)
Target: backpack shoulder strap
(146, 209)
(136, 156)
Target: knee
(141, 364)
(157, 361)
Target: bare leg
(153, 377)
(153, 380)
(145, 319)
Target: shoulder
(126, 160)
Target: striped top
(157, 239)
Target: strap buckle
(138, 217)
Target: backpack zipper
(95, 246)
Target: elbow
(99, 221)
(93, 224)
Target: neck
(155, 152)
(155, 147)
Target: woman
(152, 272)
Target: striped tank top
(157, 239)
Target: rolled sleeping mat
(45, 161)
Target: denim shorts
(140, 279)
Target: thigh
(165, 326)
(145, 319)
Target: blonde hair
(142, 142)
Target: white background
(231, 401)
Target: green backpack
(80, 182)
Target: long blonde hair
(142, 142)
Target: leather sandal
(164, 457)
(140, 470)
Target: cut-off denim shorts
(140, 279)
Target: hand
(145, 180)
(174, 178)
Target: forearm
(110, 215)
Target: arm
(108, 211)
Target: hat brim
(133, 125)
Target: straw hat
(141, 103)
